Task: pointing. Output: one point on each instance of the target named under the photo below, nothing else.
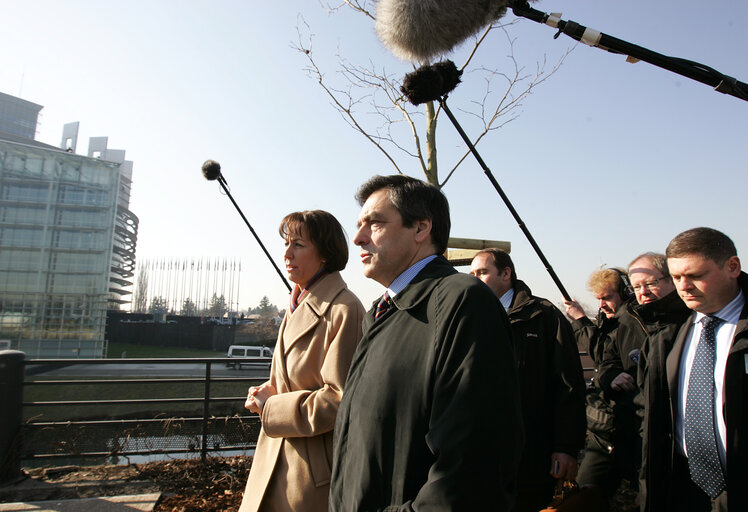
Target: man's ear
(506, 274)
(423, 230)
(733, 266)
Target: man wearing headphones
(600, 466)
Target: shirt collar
(730, 313)
(506, 299)
(406, 277)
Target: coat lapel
(312, 308)
(672, 363)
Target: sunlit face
(704, 285)
(649, 284)
(609, 300)
(302, 258)
(484, 269)
(387, 247)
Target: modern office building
(18, 117)
(67, 239)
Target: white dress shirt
(724, 335)
(506, 299)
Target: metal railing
(102, 433)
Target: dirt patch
(191, 486)
(186, 485)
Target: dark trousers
(605, 465)
(533, 499)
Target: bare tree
(189, 308)
(369, 99)
(140, 301)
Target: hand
(623, 382)
(563, 466)
(257, 396)
(574, 310)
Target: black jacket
(430, 417)
(591, 335)
(592, 338)
(661, 357)
(551, 383)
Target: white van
(245, 351)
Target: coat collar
(418, 289)
(313, 307)
(740, 341)
(522, 295)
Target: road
(146, 370)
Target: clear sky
(606, 160)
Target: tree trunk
(432, 170)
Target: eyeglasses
(648, 284)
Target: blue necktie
(382, 306)
(700, 423)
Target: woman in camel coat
(297, 405)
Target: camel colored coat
(293, 460)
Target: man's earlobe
(733, 265)
(423, 227)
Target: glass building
(67, 244)
(18, 117)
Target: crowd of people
(466, 392)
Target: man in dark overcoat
(430, 417)
(551, 383)
(695, 445)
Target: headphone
(624, 288)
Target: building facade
(67, 244)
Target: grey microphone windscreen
(419, 30)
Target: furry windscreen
(419, 30)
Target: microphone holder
(693, 70)
(504, 197)
(222, 182)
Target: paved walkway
(144, 502)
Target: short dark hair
(706, 242)
(501, 260)
(414, 200)
(324, 231)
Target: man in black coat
(604, 459)
(430, 416)
(552, 392)
(695, 446)
(656, 310)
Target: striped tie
(701, 443)
(382, 306)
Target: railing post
(11, 400)
(206, 412)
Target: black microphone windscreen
(211, 170)
(429, 83)
(419, 30)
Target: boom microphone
(429, 83)
(419, 30)
(211, 172)
(435, 82)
